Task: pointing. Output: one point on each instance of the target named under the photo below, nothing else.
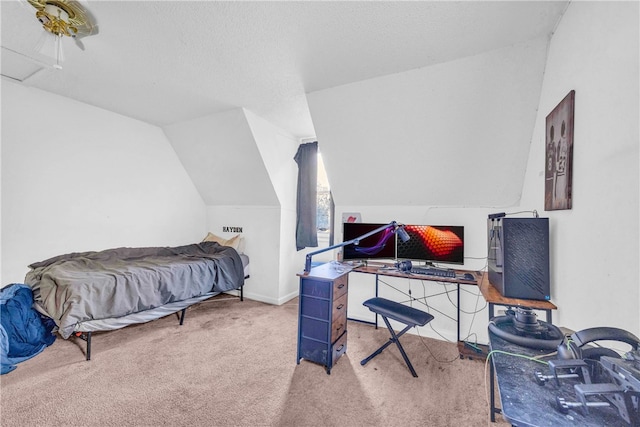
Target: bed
(101, 291)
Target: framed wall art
(559, 155)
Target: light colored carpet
(233, 363)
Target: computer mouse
(468, 276)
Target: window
(325, 210)
(314, 204)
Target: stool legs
(394, 339)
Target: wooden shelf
(492, 296)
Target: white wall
(415, 138)
(79, 178)
(274, 264)
(268, 231)
(594, 246)
(217, 150)
(261, 232)
(278, 150)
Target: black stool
(401, 313)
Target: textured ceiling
(165, 62)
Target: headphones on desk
(403, 265)
(575, 348)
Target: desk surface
(388, 270)
(489, 292)
(525, 403)
(327, 271)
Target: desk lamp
(393, 228)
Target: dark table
(525, 403)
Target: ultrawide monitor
(433, 243)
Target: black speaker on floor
(519, 257)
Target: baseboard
(268, 300)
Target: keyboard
(432, 271)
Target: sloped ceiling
(169, 62)
(220, 154)
(453, 134)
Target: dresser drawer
(339, 348)
(340, 286)
(315, 307)
(315, 329)
(339, 307)
(339, 318)
(315, 288)
(314, 351)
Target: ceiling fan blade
(82, 19)
(79, 43)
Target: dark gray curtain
(307, 202)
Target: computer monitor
(433, 243)
(381, 245)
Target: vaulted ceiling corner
(220, 155)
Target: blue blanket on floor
(23, 332)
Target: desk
(322, 316)
(319, 342)
(525, 403)
(493, 298)
(382, 270)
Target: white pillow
(236, 242)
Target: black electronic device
(432, 271)
(404, 265)
(432, 243)
(381, 245)
(521, 326)
(518, 257)
(576, 347)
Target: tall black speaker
(518, 257)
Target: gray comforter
(85, 286)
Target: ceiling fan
(61, 18)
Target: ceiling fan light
(56, 12)
(54, 19)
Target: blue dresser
(322, 318)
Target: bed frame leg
(242, 293)
(86, 336)
(182, 313)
